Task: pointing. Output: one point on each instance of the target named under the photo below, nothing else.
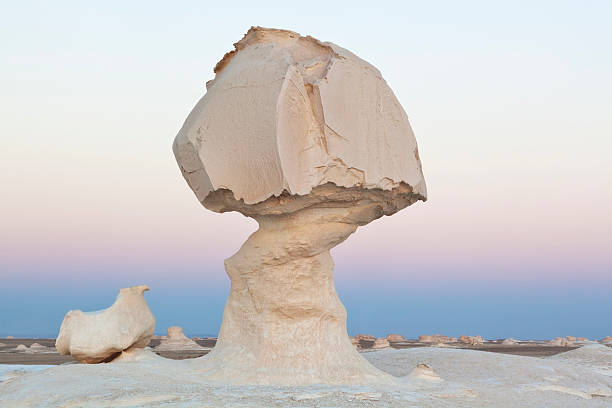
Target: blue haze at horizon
(508, 100)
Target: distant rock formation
(9, 337)
(424, 372)
(96, 337)
(570, 338)
(395, 338)
(607, 339)
(177, 341)
(436, 338)
(380, 343)
(509, 342)
(21, 347)
(560, 341)
(366, 337)
(472, 340)
(355, 342)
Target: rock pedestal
(307, 139)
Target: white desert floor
(578, 378)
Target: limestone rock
(607, 339)
(509, 342)
(21, 347)
(9, 337)
(366, 337)
(177, 341)
(436, 338)
(95, 337)
(570, 338)
(395, 338)
(309, 140)
(380, 343)
(472, 340)
(424, 372)
(355, 342)
(559, 341)
(287, 113)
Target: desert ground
(491, 374)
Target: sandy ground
(470, 378)
(7, 356)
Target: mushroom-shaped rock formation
(381, 343)
(177, 341)
(509, 342)
(309, 140)
(101, 336)
(394, 338)
(607, 339)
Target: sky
(511, 104)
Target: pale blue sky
(511, 104)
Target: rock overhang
(286, 115)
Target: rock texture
(95, 337)
(560, 341)
(380, 343)
(307, 139)
(509, 342)
(177, 341)
(472, 340)
(424, 372)
(395, 338)
(436, 338)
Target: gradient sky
(511, 105)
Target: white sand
(470, 379)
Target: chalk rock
(355, 342)
(21, 347)
(177, 341)
(582, 339)
(472, 340)
(287, 113)
(37, 348)
(366, 337)
(436, 338)
(309, 140)
(9, 337)
(94, 337)
(380, 343)
(424, 372)
(395, 338)
(509, 342)
(607, 339)
(559, 341)
(570, 338)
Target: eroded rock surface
(287, 113)
(95, 337)
(395, 338)
(309, 140)
(177, 341)
(380, 343)
(436, 338)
